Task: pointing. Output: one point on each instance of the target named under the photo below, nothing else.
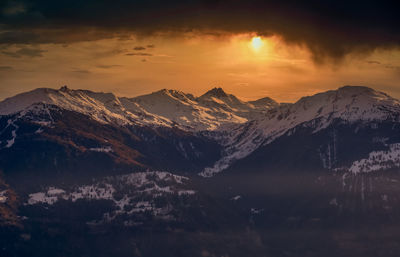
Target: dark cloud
(385, 65)
(81, 71)
(28, 52)
(328, 28)
(63, 35)
(11, 54)
(393, 67)
(12, 8)
(108, 66)
(139, 54)
(139, 48)
(6, 68)
(374, 62)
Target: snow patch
(106, 149)
(12, 140)
(256, 211)
(3, 197)
(333, 202)
(378, 160)
(235, 198)
(124, 191)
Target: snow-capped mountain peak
(188, 111)
(164, 96)
(64, 97)
(348, 103)
(265, 101)
(215, 92)
(217, 98)
(21, 101)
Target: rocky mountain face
(212, 172)
(49, 140)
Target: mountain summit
(265, 101)
(215, 92)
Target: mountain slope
(102, 107)
(48, 140)
(348, 105)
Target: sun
(256, 43)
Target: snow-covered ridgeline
(350, 104)
(210, 111)
(132, 187)
(102, 107)
(162, 108)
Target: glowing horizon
(251, 48)
(195, 63)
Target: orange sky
(193, 64)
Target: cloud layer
(328, 28)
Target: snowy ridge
(102, 107)
(162, 108)
(211, 111)
(349, 103)
(185, 110)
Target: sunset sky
(281, 49)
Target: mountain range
(172, 130)
(168, 161)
